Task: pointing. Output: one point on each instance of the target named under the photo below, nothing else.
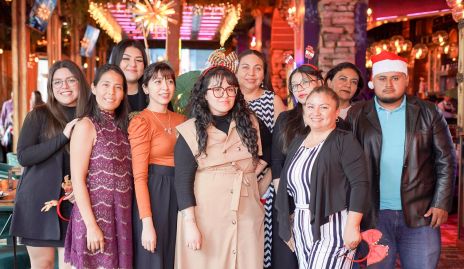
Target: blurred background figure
(35, 100)
(6, 127)
(448, 107)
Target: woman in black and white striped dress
(253, 77)
(325, 174)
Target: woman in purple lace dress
(100, 231)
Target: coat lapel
(412, 115)
(371, 114)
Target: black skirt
(163, 202)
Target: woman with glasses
(289, 124)
(152, 136)
(325, 175)
(255, 85)
(130, 56)
(218, 156)
(346, 80)
(43, 151)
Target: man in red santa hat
(411, 164)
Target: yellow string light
(105, 21)
(230, 21)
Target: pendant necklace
(166, 129)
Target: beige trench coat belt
(237, 190)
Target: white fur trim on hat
(389, 66)
(370, 84)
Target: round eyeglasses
(304, 84)
(58, 84)
(218, 92)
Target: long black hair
(267, 76)
(295, 122)
(199, 109)
(120, 113)
(346, 65)
(56, 117)
(118, 53)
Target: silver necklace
(166, 129)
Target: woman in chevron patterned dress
(100, 231)
(253, 77)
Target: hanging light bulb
(396, 42)
(440, 38)
(407, 46)
(253, 42)
(419, 51)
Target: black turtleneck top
(185, 173)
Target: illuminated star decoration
(148, 16)
(43, 12)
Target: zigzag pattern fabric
(263, 107)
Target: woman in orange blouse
(152, 137)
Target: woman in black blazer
(43, 152)
(325, 175)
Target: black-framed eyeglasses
(304, 84)
(218, 92)
(58, 84)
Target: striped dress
(109, 183)
(329, 250)
(263, 107)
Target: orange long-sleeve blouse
(151, 144)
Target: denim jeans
(418, 248)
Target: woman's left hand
(351, 236)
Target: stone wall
(337, 39)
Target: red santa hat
(387, 62)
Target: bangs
(220, 75)
(165, 72)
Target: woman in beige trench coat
(217, 157)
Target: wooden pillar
(54, 36)
(460, 113)
(75, 45)
(173, 38)
(19, 63)
(299, 33)
(258, 29)
(91, 68)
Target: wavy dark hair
(267, 76)
(92, 109)
(56, 117)
(295, 122)
(346, 65)
(199, 109)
